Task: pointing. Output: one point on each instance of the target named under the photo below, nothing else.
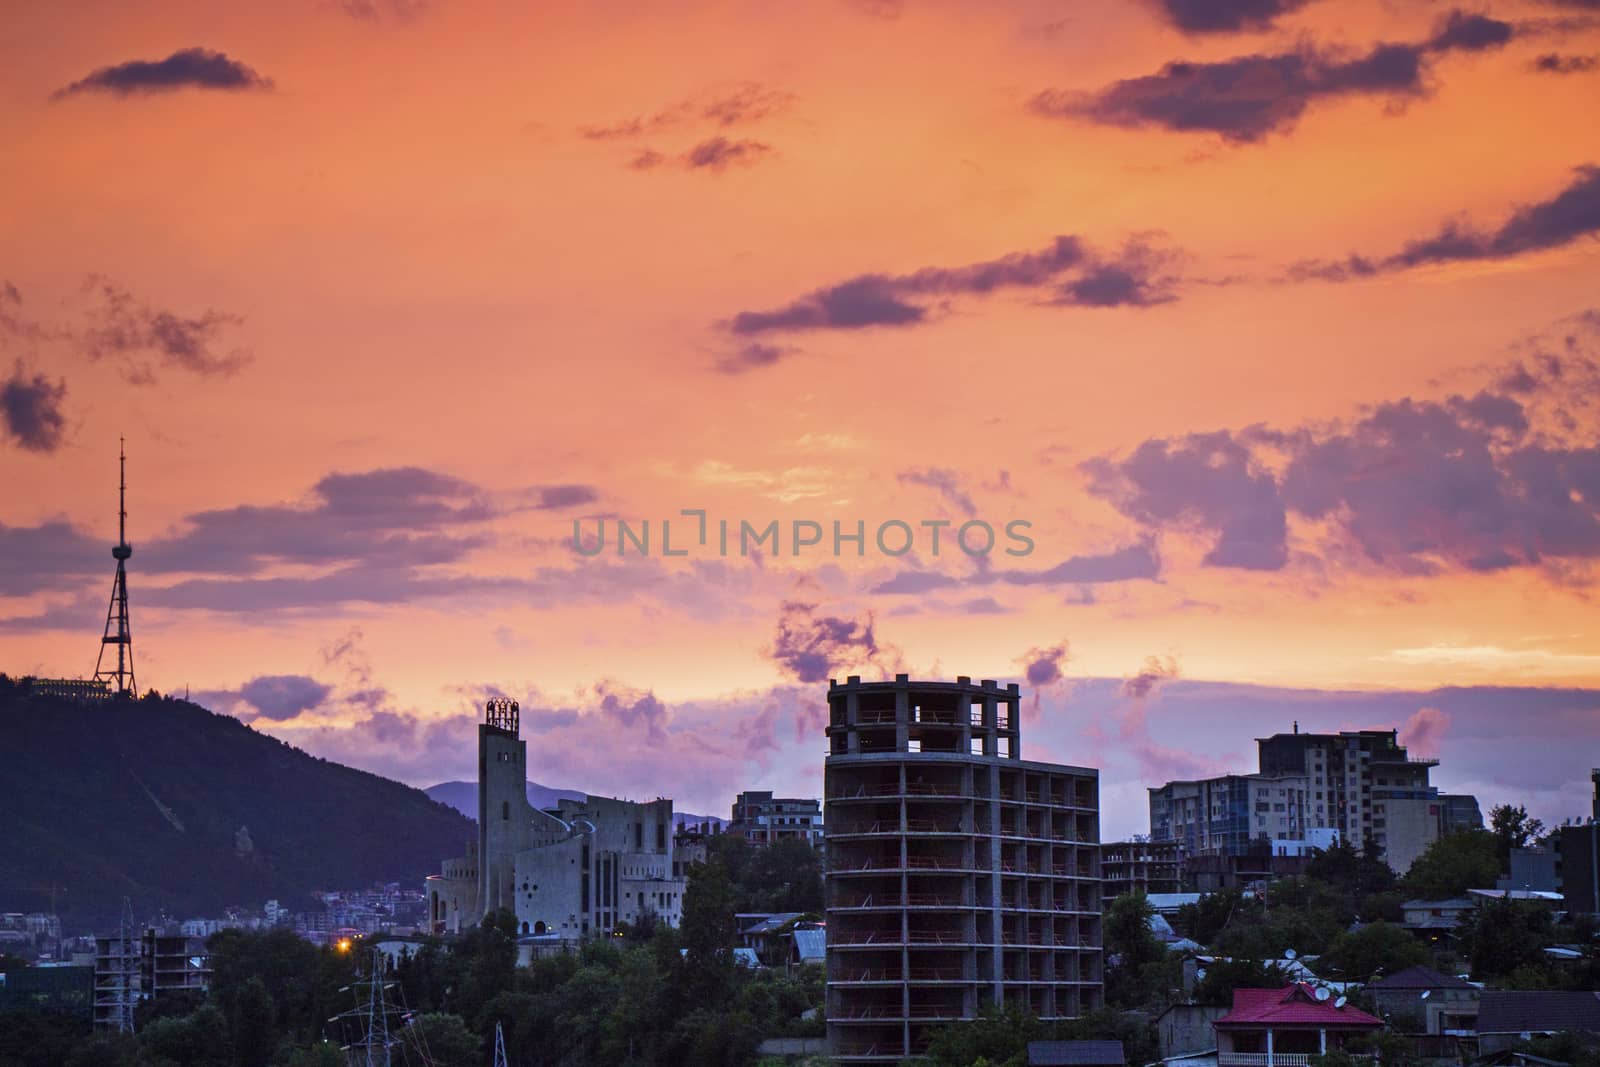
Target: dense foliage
(660, 997)
(1000, 1038)
(143, 799)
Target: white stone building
(581, 868)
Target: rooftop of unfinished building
(961, 682)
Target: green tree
(1134, 976)
(997, 1036)
(197, 1040)
(1512, 828)
(445, 1039)
(1205, 919)
(1469, 859)
(1223, 976)
(320, 1054)
(253, 1024)
(1504, 937)
(709, 932)
(1377, 948)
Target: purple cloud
(1225, 16)
(190, 68)
(1245, 98)
(31, 407)
(1065, 273)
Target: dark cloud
(1569, 215)
(31, 405)
(1245, 98)
(633, 709)
(813, 648)
(648, 159)
(52, 555)
(1130, 563)
(377, 10)
(557, 497)
(283, 696)
(720, 153)
(1207, 481)
(723, 106)
(191, 68)
(1553, 63)
(401, 516)
(1044, 666)
(914, 583)
(981, 605)
(1155, 671)
(1065, 272)
(1225, 16)
(1468, 482)
(1470, 32)
(946, 482)
(141, 337)
(751, 356)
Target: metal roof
(1076, 1054)
(811, 943)
(1515, 1011)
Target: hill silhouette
(186, 811)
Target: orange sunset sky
(1276, 319)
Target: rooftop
(1420, 977)
(1293, 1005)
(1515, 1011)
(1076, 1054)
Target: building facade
(582, 867)
(1223, 815)
(1140, 866)
(1363, 784)
(761, 819)
(958, 875)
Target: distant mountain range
(463, 796)
(184, 811)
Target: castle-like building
(580, 868)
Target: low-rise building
(1140, 866)
(1438, 1004)
(1507, 1017)
(762, 819)
(1287, 1027)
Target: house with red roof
(1286, 1027)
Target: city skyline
(1295, 389)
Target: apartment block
(761, 819)
(1140, 866)
(958, 874)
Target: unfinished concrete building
(958, 875)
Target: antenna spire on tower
(119, 631)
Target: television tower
(118, 631)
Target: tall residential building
(1365, 785)
(958, 874)
(760, 818)
(1362, 783)
(582, 867)
(1459, 812)
(1223, 815)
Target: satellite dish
(1289, 953)
(1341, 1002)
(1426, 993)
(1200, 975)
(1322, 992)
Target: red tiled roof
(1293, 1005)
